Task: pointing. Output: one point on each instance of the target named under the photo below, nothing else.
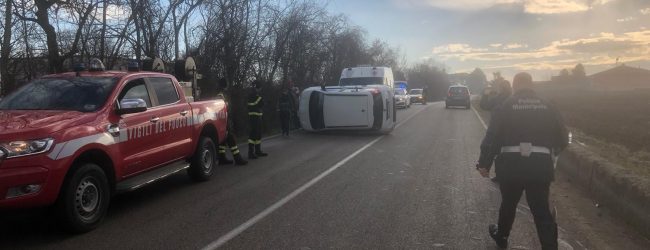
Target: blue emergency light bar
(401, 84)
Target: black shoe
(261, 154)
(501, 241)
(258, 151)
(240, 160)
(223, 160)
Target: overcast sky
(539, 36)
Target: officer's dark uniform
(524, 122)
(255, 105)
(285, 108)
(230, 141)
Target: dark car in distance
(458, 95)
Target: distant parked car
(402, 99)
(417, 96)
(458, 95)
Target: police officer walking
(524, 134)
(230, 141)
(255, 105)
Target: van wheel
(84, 199)
(202, 165)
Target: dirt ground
(591, 224)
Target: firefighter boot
(258, 151)
(251, 151)
(223, 160)
(239, 160)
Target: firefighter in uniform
(525, 133)
(255, 105)
(230, 141)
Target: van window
(361, 81)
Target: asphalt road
(415, 188)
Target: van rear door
(347, 110)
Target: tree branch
(24, 18)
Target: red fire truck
(73, 140)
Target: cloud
(597, 49)
(645, 11)
(515, 46)
(507, 46)
(529, 6)
(605, 43)
(555, 6)
(456, 48)
(627, 19)
(452, 5)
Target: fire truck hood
(34, 124)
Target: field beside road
(613, 124)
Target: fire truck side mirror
(130, 106)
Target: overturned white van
(364, 100)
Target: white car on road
(402, 98)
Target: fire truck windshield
(84, 94)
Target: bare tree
(7, 80)
(41, 17)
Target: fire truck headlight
(23, 148)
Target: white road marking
(479, 118)
(411, 116)
(255, 219)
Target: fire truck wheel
(84, 199)
(202, 165)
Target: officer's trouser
(537, 196)
(295, 119)
(231, 143)
(285, 121)
(255, 135)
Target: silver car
(402, 98)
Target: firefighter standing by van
(230, 141)
(255, 105)
(524, 135)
